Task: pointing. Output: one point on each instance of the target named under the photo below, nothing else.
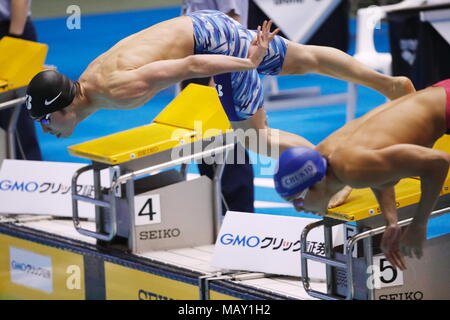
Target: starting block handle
(96, 202)
(305, 256)
(11, 103)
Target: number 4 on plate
(147, 209)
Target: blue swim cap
(298, 169)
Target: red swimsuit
(446, 85)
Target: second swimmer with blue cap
(303, 177)
(376, 151)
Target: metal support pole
(132, 223)
(217, 194)
(352, 96)
(183, 170)
(304, 250)
(368, 254)
(97, 194)
(12, 132)
(328, 238)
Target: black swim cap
(49, 91)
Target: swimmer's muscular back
(106, 80)
(418, 118)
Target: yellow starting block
(193, 126)
(350, 268)
(195, 114)
(362, 204)
(20, 61)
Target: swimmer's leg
(302, 59)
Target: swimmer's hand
(390, 245)
(260, 44)
(340, 197)
(411, 243)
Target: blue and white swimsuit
(241, 93)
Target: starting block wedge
(20, 61)
(146, 207)
(362, 204)
(359, 270)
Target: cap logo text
(28, 102)
(300, 176)
(53, 100)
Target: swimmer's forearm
(279, 141)
(431, 185)
(19, 15)
(207, 65)
(405, 160)
(161, 74)
(387, 203)
(274, 142)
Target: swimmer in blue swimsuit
(240, 92)
(203, 44)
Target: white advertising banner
(298, 19)
(268, 243)
(41, 187)
(31, 269)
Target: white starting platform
(154, 233)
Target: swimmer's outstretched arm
(161, 74)
(164, 73)
(380, 169)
